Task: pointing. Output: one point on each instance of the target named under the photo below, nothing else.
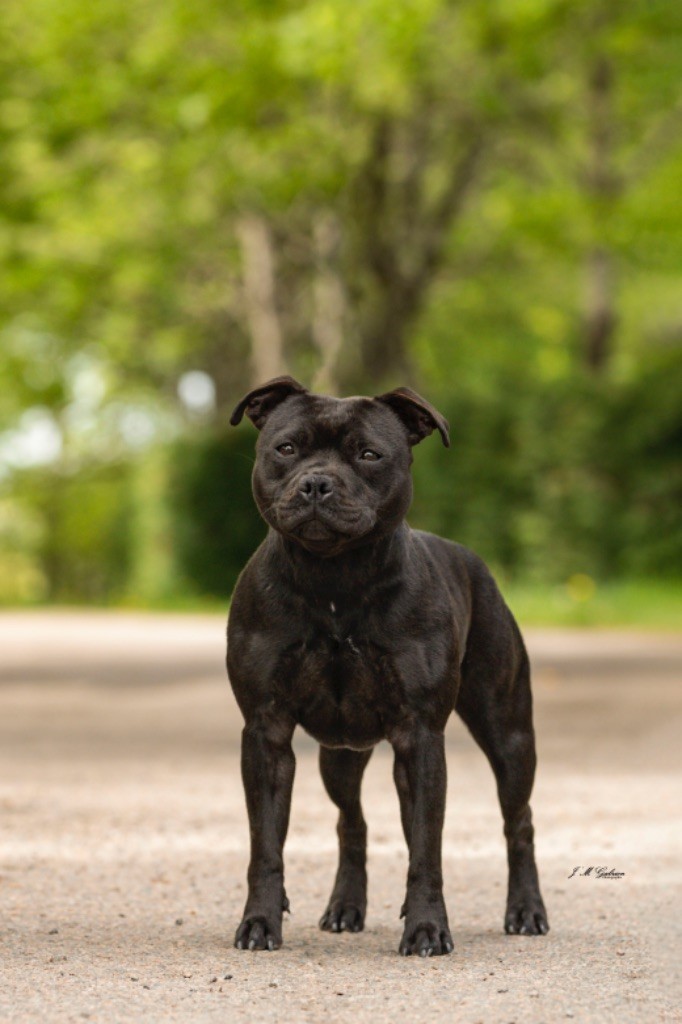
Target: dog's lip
(316, 530)
(329, 533)
(296, 523)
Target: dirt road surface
(124, 843)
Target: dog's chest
(339, 684)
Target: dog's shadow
(381, 941)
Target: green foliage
(215, 527)
(80, 548)
(578, 477)
(134, 136)
(583, 601)
(21, 578)
(477, 198)
(548, 486)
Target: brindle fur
(349, 623)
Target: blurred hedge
(581, 477)
(80, 542)
(214, 524)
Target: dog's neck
(350, 576)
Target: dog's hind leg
(495, 704)
(342, 772)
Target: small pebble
(133, 977)
(187, 974)
(179, 921)
(503, 990)
(620, 952)
(53, 931)
(212, 981)
(227, 977)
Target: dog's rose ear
(418, 415)
(260, 402)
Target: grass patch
(582, 601)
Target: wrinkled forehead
(324, 420)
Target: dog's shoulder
(458, 557)
(464, 572)
(449, 554)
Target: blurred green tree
(476, 197)
(263, 185)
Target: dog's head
(331, 473)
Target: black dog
(356, 627)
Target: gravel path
(123, 852)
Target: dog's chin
(320, 537)
(316, 532)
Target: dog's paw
(342, 916)
(257, 932)
(526, 916)
(427, 938)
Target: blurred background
(478, 199)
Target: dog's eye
(286, 449)
(370, 456)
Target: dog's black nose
(316, 487)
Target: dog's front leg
(268, 766)
(420, 776)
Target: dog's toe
(255, 933)
(526, 917)
(426, 940)
(342, 917)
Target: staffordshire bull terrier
(349, 623)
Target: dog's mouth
(315, 530)
(318, 537)
(322, 533)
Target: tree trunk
(383, 345)
(267, 346)
(603, 188)
(329, 302)
(600, 319)
(405, 229)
